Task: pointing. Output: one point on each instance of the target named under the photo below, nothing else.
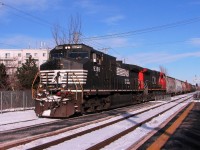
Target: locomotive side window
(94, 57)
(153, 80)
(97, 58)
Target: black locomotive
(78, 78)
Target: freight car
(175, 86)
(78, 78)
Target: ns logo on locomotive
(80, 79)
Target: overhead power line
(145, 30)
(27, 14)
(100, 45)
(115, 35)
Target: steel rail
(123, 133)
(102, 144)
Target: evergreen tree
(26, 73)
(3, 76)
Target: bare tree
(74, 32)
(13, 82)
(163, 70)
(63, 37)
(11, 68)
(75, 29)
(56, 34)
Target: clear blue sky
(174, 42)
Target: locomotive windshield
(57, 55)
(71, 54)
(78, 54)
(70, 51)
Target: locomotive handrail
(74, 83)
(146, 84)
(146, 87)
(139, 83)
(46, 79)
(79, 83)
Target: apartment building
(13, 58)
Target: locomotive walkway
(182, 132)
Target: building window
(35, 54)
(44, 54)
(19, 54)
(7, 55)
(28, 55)
(7, 63)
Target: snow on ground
(17, 116)
(71, 132)
(18, 119)
(140, 132)
(101, 135)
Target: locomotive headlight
(41, 85)
(63, 85)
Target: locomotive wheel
(139, 98)
(107, 103)
(90, 109)
(134, 99)
(96, 104)
(92, 105)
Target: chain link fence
(196, 95)
(15, 100)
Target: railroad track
(108, 114)
(18, 122)
(9, 144)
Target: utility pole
(124, 59)
(105, 50)
(196, 80)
